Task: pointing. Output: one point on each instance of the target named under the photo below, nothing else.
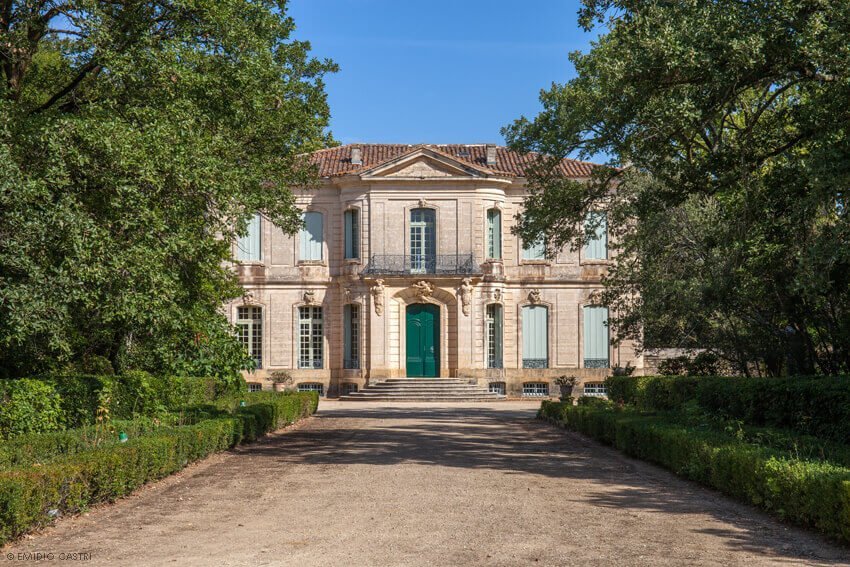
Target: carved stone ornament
(346, 293)
(423, 202)
(595, 297)
(423, 288)
(248, 297)
(309, 297)
(378, 297)
(534, 296)
(497, 294)
(465, 295)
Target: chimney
(356, 156)
(491, 154)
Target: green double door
(423, 340)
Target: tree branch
(89, 67)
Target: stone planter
(566, 392)
(279, 387)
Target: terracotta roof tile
(337, 161)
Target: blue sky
(439, 71)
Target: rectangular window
(534, 250)
(249, 327)
(496, 388)
(311, 337)
(493, 323)
(535, 389)
(311, 237)
(597, 247)
(535, 336)
(249, 247)
(351, 338)
(352, 234)
(255, 387)
(494, 234)
(596, 337)
(423, 241)
(595, 389)
(312, 387)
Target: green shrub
(86, 475)
(28, 406)
(814, 494)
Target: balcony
(438, 265)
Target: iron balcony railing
(535, 363)
(438, 265)
(596, 363)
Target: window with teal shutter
(597, 247)
(493, 331)
(311, 236)
(535, 336)
(534, 250)
(351, 336)
(249, 247)
(596, 337)
(494, 234)
(352, 234)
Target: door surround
(447, 303)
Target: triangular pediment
(424, 163)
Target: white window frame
(255, 387)
(312, 387)
(595, 389)
(311, 340)
(249, 325)
(535, 389)
(497, 388)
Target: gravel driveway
(427, 484)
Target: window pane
(311, 236)
(310, 338)
(494, 234)
(351, 340)
(352, 234)
(249, 329)
(596, 337)
(423, 242)
(493, 323)
(597, 248)
(249, 247)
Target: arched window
(351, 219)
(423, 241)
(494, 234)
(493, 332)
(249, 326)
(311, 236)
(535, 336)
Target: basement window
(497, 388)
(255, 387)
(595, 389)
(535, 389)
(312, 387)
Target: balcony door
(423, 244)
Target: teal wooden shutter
(311, 237)
(535, 336)
(346, 341)
(597, 248)
(494, 234)
(249, 247)
(352, 234)
(596, 337)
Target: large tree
(727, 126)
(136, 140)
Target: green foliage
(813, 494)
(726, 123)
(29, 406)
(133, 151)
(817, 406)
(78, 474)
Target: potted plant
(566, 383)
(281, 379)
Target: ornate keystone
(423, 289)
(534, 296)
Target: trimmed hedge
(31, 496)
(813, 494)
(56, 402)
(818, 406)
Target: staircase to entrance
(424, 390)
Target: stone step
(423, 390)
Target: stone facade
(462, 281)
